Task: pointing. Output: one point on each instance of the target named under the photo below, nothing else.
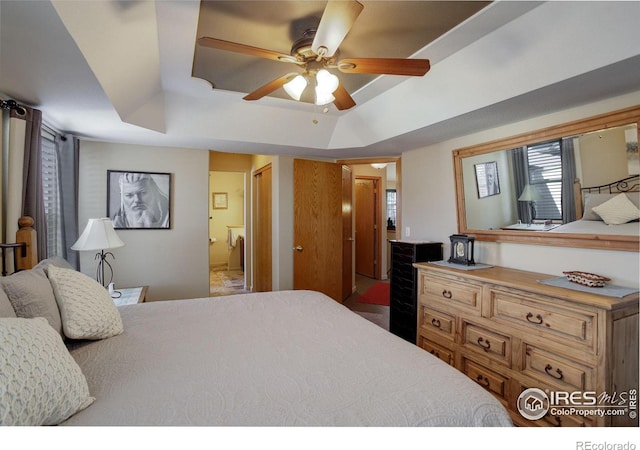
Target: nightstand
(130, 296)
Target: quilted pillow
(6, 310)
(30, 294)
(40, 383)
(86, 308)
(618, 210)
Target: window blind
(545, 176)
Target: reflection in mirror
(547, 189)
(541, 183)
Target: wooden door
(262, 219)
(347, 232)
(366, 226)
(318, 227)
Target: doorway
(367, 218)
(226, 233)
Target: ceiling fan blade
(386, 66)
(343, 99)
(337, 20)
(269, 87)
(245, 49)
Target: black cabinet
(404, 284)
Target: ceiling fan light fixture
(326, 81)
(323, 98)
(295, 87)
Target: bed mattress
(290, 358)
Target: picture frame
(487, 180)
(220, 200)
(139, 200)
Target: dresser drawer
(553, 369)
(485, 377)
(437, 350)
(486, 342)
(555, 321)
(451, 294)
(442, 324)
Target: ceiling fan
(315, 52)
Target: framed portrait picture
(487, 179)
(139, 200)
(220, 200)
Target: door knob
(298, 248)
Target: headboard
(25, 249)
(628, 184)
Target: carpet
(378, 294)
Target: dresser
(511, 334)
(404, 284)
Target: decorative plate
(587, 279)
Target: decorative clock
(462, 249)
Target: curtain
(68, 149)
(32, 199)
(521, 179)
(568, 180)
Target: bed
(609, 209)
(289, 358)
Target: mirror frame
(609, 242)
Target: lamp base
(100, 270)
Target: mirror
(531, 188)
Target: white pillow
(40, 383)
(618, 210)
(86, 308)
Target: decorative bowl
(587, 279)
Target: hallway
(374, 313)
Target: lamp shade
(326, 84)
(295, 87)
(98, 235)
(529, 194)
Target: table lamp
(530, 194)
(99, 235)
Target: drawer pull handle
(486, 346)
(558, 421)
(559, 373)
(435, 322)
(447, 294)
(538, 320)
(435, 353)
(482, 380)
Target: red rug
(378, 294)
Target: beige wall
(598, 167)
(174, 263)
(429, 204)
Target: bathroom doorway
(227, 233)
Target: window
(51, 193)
(544, 163)
(391, 209)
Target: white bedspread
(292, 358)
(598, 227)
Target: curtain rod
(12, 104)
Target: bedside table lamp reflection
(99, 235)
(530, 195)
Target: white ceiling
(121, 71)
